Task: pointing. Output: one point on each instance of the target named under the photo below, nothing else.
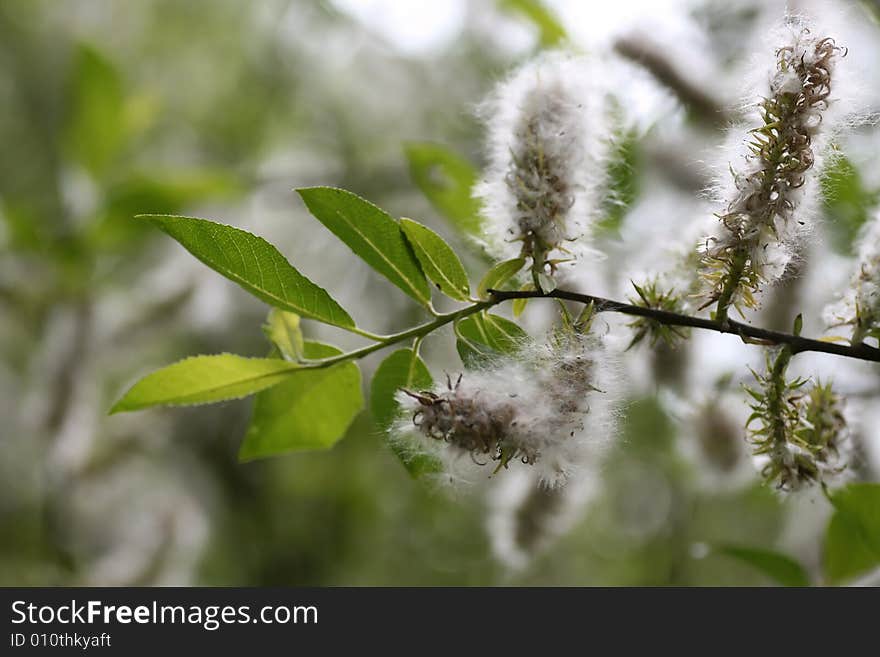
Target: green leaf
(778, 567)
(846, 556)
(852, 542)
(518, 306)
(483, 329)
(860, 502)
(504, 335)
(547, 282)
(255, 265)
(499, 275)
(550, 29)
(166, 192)
(401, 369)
(446, 179)
(204, 379)
(438, 260)
(623, 182)
(283, 331)
(96, 128)
(484, 336)
(372, 234)
(872, 9)
(310, 410)
(847, 202)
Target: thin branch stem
(671, 74)
(416, 332)
(731, 285)
(797, 343)
(747, 333)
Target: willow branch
(745, 332)
(655, 61)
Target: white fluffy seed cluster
(546, 148)
(860, 307)
(773, 188)
(542, 407)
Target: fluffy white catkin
(543, 407)
(770, 192)
(860, 306)
(547, 141)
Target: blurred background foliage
(219, 109)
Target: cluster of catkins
(799, 435)
(797, 428)
(543, 411)
(763, 218)
(542, 406)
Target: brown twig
(655, 61)
(797, 343)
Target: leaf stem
(375, 337)
(419, 331)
